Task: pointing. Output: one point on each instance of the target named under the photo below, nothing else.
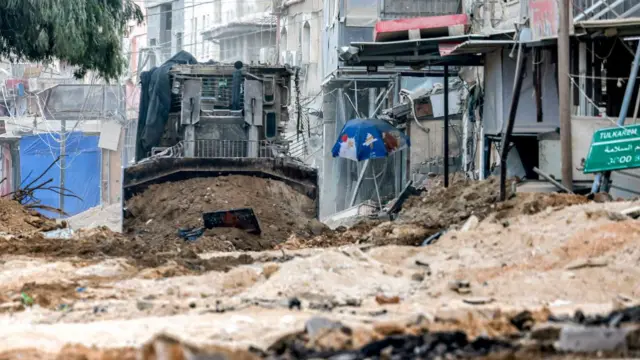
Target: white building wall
(301, 45)
(199, 17)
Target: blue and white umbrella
(366, 139)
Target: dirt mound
(161, 210)
(439, 209)
(102, 242)
(16, 219)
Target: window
(306, 43)
(271, 126)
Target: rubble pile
(522, 335)
(17, 219)
(439, 209)
(101, 242)
(158, 213)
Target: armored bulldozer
(208, 120)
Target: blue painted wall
(82, 169)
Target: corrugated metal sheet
(473, 47)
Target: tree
(84, 33)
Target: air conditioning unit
(267, 55)
(292, 58)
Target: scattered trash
(191, 234)
(26, 299)
(478, 301)
(294, 303)
(386, 300)
(588, 263)
(244, 219)
(81, 289)
(66, 233)
(460, 286)
(433, 238)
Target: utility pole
(446, 126)
(564, 93)
(63, 162)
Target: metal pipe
(375, 182)
(446, 126)
(513, 109)
(355, 93)
(108, 176)
(607, 9)
(626, 101)
(359, 182)
(537, 58)
(588, 10)
(631, 11)
(551, 180)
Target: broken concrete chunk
(269, 269)
(318, 324)
(633, 212)
(591, 339)
(144, 305)
(471, 224)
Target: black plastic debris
(523, 321)
(190, 234)
(454, 344)
(294, 303)
(244, 219)
(613, 319)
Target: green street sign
(614, 149)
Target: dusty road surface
(354, 293)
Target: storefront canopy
(464, 50)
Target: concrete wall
(499, 74)
(112, 174)
(426, 147)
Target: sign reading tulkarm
(614, 149)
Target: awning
(474, 47)
(622, 27)
(420, 52)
